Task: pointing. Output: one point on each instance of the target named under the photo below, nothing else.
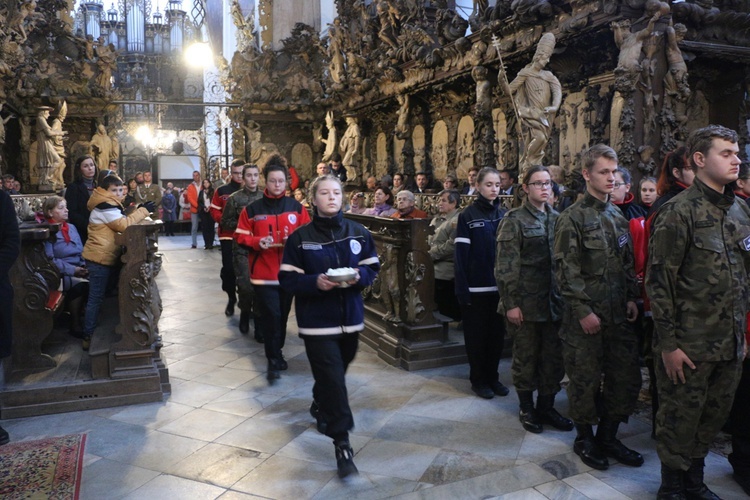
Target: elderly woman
(357, 203)
(64, 249)
(441, 251)
(383, 203)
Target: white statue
(47, 157)
(330, 141)
(57, 127)
(101, 146)
(349, 147)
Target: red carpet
(46, 468)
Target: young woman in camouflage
(531, 303)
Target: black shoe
(585, 446)
(4, 437)
(229, 311)
(672, 486)
(545, 409)
(345, 459)
(259, 338)
(499, 389)
(86, 342)
(320, 424)
(193, 246)
(527, 414)
(273, 371)
(244, 322)
(283, 365)
(695, 488)
(483, 391)
(613, 447)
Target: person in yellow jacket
(101, 252)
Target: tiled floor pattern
(225, 433)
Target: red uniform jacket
(278, 217)
(218, 202)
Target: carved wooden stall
(50, 374)
(399, 320)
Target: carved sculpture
(259, 151)
(390, 295)
(47, 157)
(676, 89)
(627, 74)
(57, 127)
(349, 148)
(101, 147)
(331, 140)
(336, 65)
(402, 124)
(537, 94)
(484, 132)
(107, 61)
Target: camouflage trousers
(537, 356)
(691, 414)
(603, 370)
(245, 291)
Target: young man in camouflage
(697, 280)
(594, 269)
(230, 215)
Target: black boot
(320, 422)
(545, 409)
(606, 436)
(244, 322)
(229, 311)
(273, 372)
(695, 488)
(259, 337)
(527, 414)
(585, 446)
(672, 487)
(345, 459)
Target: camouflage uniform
(594, 269)
(697, 281)
(236, 203)
(525, 279)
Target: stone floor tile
(109, 479)
(450, 466)
(261, 435)
(218, 464)
(203, 424)
(429, 404)
(203, 341)
(551, 442)
(176, 352)
(558, 490)
(564, 465)
(364, 486)
(215, 358)
(525, 494)
(489, 485)
(228, 377)
(282, 477)
(189, 370)
(242, 403)
(391, 458)
(419, 430)
(195, 394)
(157, 450)
(151, 415)
(593, 488)
(491, 441)
(236, 495)
(166, 487)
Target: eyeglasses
(540, 184)
(618, 184)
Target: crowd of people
(588, 280)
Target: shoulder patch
(355, 246)
(623, 240)
(704, 223)
(292, 218)
(311, 246)
(260, 217)
(473, 225)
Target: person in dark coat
(169, 209)
(78, 193)
(10, 246)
